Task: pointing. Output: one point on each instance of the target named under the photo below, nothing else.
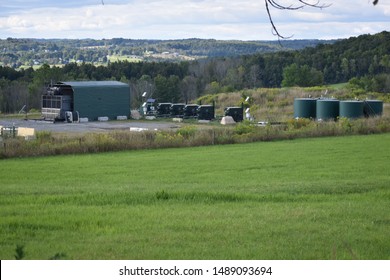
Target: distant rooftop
(94, 83)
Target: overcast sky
(181, 19)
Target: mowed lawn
(324, 198)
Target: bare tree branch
(301, 5)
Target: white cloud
(165, 19)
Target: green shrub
(187, 131)
(207, 99)
(168, 139)
(244, 127)
(298, 123)
(44, 136)
(345, 124)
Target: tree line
(363, 60)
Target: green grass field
(323, 198)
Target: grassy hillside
(276, 104)
(324, 198)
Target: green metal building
(91, 99)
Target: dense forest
(364, 61)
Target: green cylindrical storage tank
(351, 109)
(327, 109)
(305, 108)
(373, 108)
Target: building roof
(95, 84)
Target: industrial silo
(351, 109)
(327, 109)
(305, 108)
(373, 108)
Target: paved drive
(89, 126)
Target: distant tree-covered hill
(18, 53)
